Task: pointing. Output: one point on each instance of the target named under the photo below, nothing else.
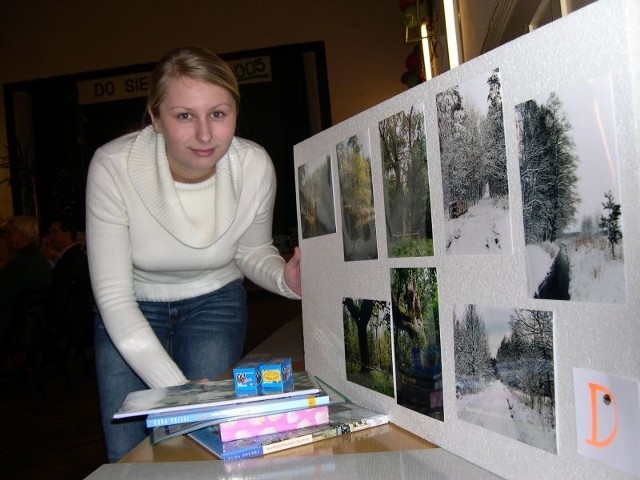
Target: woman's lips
(202, 153)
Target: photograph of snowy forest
(572, 212)
(356, 201)
(416, 333)
(367, 344)
(474, 167)
(407, 202)
(315, 184)
(505, 372)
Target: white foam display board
(603, 335)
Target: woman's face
(198, 121)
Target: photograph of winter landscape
(571, 202)
(416, 333)
(367, 343)
(407, 202)
(505, 372)
(356, 198)
(474, 167)
(317, 213)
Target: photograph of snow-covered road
(498, 410)
(505, 372)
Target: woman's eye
(184, 116)
(217, 114)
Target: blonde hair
(26, 226)
(197, 63)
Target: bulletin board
(469, 252)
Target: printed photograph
(505, 372)
(572, 211)
(367, 343)
(356, 198)
(315, 184)
(474, 167)
(407, 202)
(416, 331)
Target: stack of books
(233, 427)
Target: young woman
(177, 215)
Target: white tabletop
(417, 464)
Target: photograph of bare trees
(571, 202)
(407, 201)
(367, 344)
(315, 184)
(474, 167)
(356, 201)
(416, 331)
(505, 372)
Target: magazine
(242, 427)
(344, 417)
(198, 395)
(242, 409)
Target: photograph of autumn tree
(505, 373)
(474, 167)
(416, 331)
(315, 184)
(572, 213)
(367, 343)
(356, 190)
(407, 202)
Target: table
(383, 438)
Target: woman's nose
(203, 131)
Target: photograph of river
(572, 210)
(504, 368)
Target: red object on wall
(405, 3)
(412, 61)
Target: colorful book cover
(226, 412)
(199, 395)
(344, 417)
(277, 422)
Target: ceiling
(487, 24)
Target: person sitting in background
(24, 280)
(70, 301)
(50, 253)
(4, 248)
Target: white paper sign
(608, 419)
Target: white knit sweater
(142, 245)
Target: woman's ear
(154, 121)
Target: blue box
(277, 375)
(247, 379)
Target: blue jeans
(204, 335)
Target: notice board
(469, 252)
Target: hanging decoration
(420, 29)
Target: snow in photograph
(572, 211)
(474, 167)
(505, 372)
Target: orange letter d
(594, 441)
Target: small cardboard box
(247, 379)
(277, 375)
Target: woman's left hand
(292, 272)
